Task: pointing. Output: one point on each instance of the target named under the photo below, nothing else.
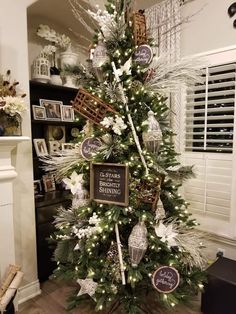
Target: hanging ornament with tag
(152, 137)
(138, 243)
(99, 58)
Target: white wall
(14, 56)
(209, 29)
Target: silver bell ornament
(138, 243)
(152, 137)
(99, 58)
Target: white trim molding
(29, 291)
(7, 174)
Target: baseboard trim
(28, 292)
(223, 239)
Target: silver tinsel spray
(138, 243)
(152, 138)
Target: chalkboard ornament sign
(143, 54)
(90, 146)
(109, 183)
(165, 279)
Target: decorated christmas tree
(128, 235)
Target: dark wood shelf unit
(47, 204)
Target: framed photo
(67, 146)
(39, 112)
(52, 108)
(49, 182)
(67, 113)
(109, 183)
(40, 147)
(37, 187)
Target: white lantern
(138, 243)
(152, 138)
(41, 69)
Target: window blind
(210, 111)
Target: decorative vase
(68, 57)
(56, 79)
(69, 81)
(41, 69)
(10, 125)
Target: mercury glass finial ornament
(99, 58)
(152, 137)
(160, 211)
(138, 243)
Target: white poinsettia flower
(119, 125)
(126, 68)
(166, 233)
(74, 183)
(107, 122)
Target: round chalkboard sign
(165, 279)
(143, 54)
(89, 146)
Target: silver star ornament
(87, 286)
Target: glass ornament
(152, 137)
(99, 58)
(138, 243)
(160, 211)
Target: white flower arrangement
(60, 40)
(49, 50)
(12, 105)
(11, 99)
(116, 124)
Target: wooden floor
(53, 301)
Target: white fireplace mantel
(7, 144)
(7, 175)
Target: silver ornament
(152, 138)
(138, 243)
(160, 211)
(87, 286)
(100, 57)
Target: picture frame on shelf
(52, 109)
(49, 182)
(67, 113)
(37, 187)
(67, 146)
(40, 147)
(39, 112)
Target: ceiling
(59, 12)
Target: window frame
(211, 223)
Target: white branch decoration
(62, 163)
(124, 100)
(169, 76)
